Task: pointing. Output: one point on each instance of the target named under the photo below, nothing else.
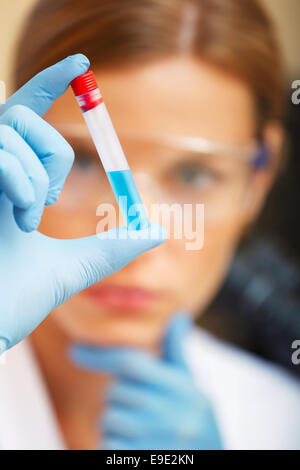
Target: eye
(194, 175)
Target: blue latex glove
(38, 273)
(154, 403)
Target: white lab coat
(257, 405)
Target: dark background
(258, 307)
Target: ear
(262, 179)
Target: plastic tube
(109, 150)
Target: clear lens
(167, 173)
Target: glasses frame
(255, 153)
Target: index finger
(174, 340)
(44, 88)
(131, 364)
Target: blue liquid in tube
(128, 198)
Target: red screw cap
(84, 83)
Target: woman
(117, 366)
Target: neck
(75, 393)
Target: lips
(121, 297)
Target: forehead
(180, 96)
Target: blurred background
(286, 14)
(259, 305)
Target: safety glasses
(253, 153)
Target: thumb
(42, 90)
(173, 342)
(85, 261)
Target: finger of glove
(27, 219)
(42, 90)
(14, 182)
(132, 364)
(124, 422)
(53, 151)
(173, 344)
(114, 443)
(91, 259)
(133, 395)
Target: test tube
(109, 150)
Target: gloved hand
(38, 273)
(154, 403)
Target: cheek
(201, 273)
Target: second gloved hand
(154, 403)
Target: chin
(110, 328)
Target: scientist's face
(177, 97)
